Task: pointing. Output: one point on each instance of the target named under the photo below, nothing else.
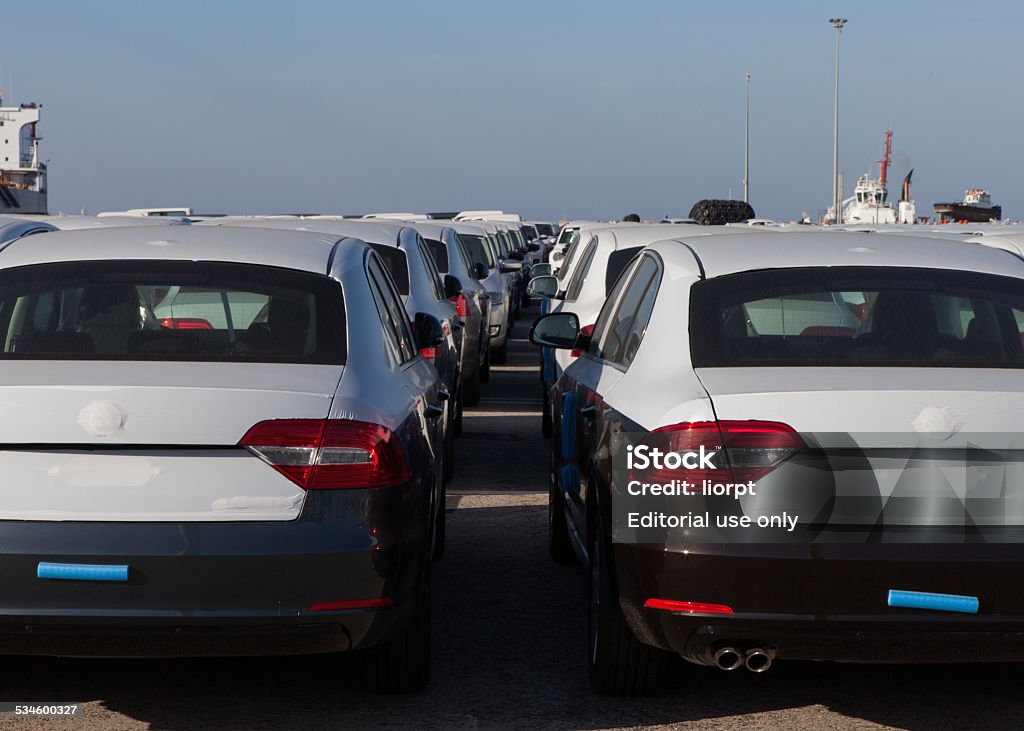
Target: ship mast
(885, 161)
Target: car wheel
(448, 467)
(485, 369)
(471, 388)
(559, 542)
(500, 354)
(545, 417)
(402, 665)
(619, 663)
(441, 529)
(457, 422)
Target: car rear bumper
(827, 602)
(346, 574)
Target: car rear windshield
(170, 311)
(858, 316)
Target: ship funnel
(905, 193)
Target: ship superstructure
(22, 174)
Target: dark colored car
(226, 441)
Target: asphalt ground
(508, 641)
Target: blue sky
(552, 109)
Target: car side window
(439, 254)
(638, 327)
(604, 317)
(392, 313)
(432, 274)
(619, 324)
(572, 290)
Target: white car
(599, 256)
(887, 445)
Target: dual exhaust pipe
(755, 659)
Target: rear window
(858, 316)
(170, 311)
(396, 264)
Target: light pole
(746, 141)
(838, 24)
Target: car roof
(76, 221)
(286, 249)
(373, 231)
(433, 228)
(473, 228)
(647, 233)
(732, 253)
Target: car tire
(485, 369)
(402, 664)
(619, 664)
(500, 354)
(448, 466)
(559, 541)
(471, 388)
(545, 416)
(457, 422)
(441, 529)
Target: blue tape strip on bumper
(938, 602)
(81, 572)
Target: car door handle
(433, 411)
(588, 412)
(443, 393)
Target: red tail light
(186, 323)
(374, 603)
(671, 605)
(585, 330)
(747, 450)
(428, 353)
(329, 454)
(461, 305)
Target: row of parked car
(871, 380)
(276, 472)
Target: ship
(976, 207)
(22, 175)
(870, 202)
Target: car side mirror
(543, 286)
(556, 330)
(428, 331)
(533, 247)
(452, 286)
(541, 270)
(479, 270)
(509, 265)
(517, 255)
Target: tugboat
(976, 207)
(870, 201)
(22, 176)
